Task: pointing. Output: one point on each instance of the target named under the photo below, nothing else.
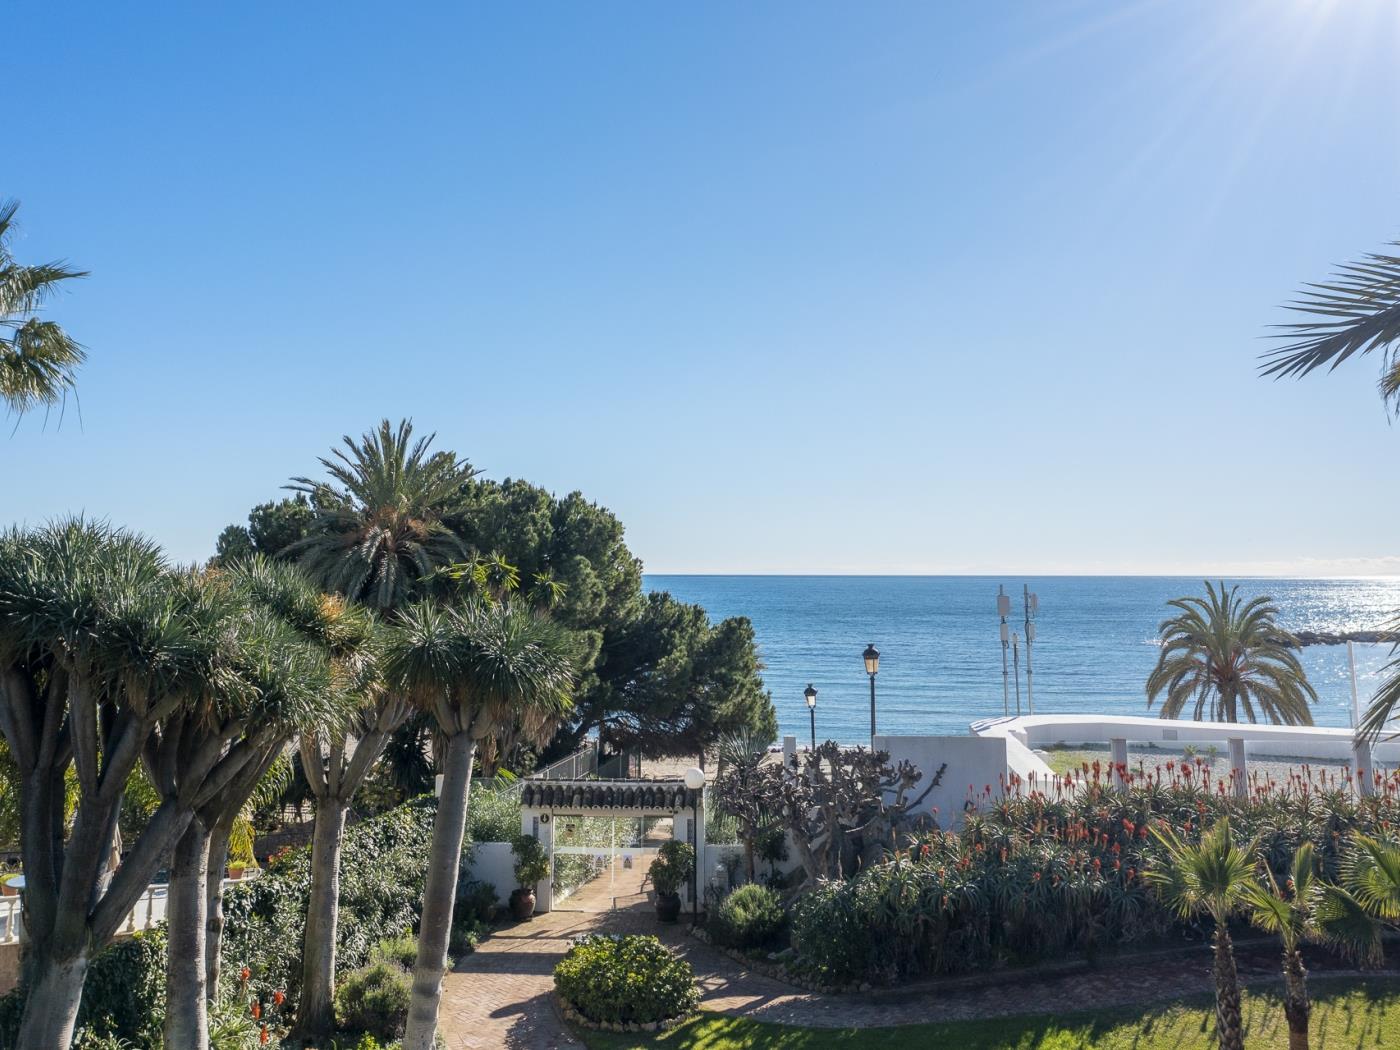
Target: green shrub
(382, 869)
(673, 867)
(493, 814)
(629, 980)
(124, 991)
(368, 1042)
(476, 900)
(465, 936)
(531, 861)
(750, 917)
(231, 1026)
(373, 1001)
(832, 943)
(381, 890)
(400, 951)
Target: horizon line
(1034, 574)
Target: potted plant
(240, 859)
(531, 865)
(672, 868)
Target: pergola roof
(651, 795)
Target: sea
(941, 654)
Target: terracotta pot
(235, 872)
(668, 906)
(522, 903)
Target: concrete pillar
(1239, 769)
(789, 749)
(532, 822)
(1118, 755)
(1364, 766)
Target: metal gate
(600, 860)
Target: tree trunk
(439, 893)
(1229, 1026)
(214, 906)
(1296, 1006)
(51, 1007)
(314, 1013)
(186, 1004)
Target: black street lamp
(872, 668)
(811, 695)
(695, 781)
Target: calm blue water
(940, 663)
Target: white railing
(581, 765)
(149, 910)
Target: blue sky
(790, 287)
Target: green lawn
(1347, 1015)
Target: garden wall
(493, 863)
(974, 764)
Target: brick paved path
(500, 995)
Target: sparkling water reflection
(940, 666)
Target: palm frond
(38, 359)
(1356, 312)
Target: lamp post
(811, 695)
(872, 668)
(695, 781)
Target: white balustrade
(149, 910)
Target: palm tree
(38, 358)
(1356, 312)
(378, 534)
(478, 670)
(1292, 912)
(382, 531)
(1214, 878)
(1231, 658)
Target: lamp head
(811, 695)
(694, 778)
(872, 659)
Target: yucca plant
(1354, 914)
(97, 644)
(38, 359)
(1214, 878)
(1228, 660)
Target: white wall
(974, 763)
(1262, 740)
(493, 863)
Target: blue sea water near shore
(940, 663)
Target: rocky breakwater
(1342, 637)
